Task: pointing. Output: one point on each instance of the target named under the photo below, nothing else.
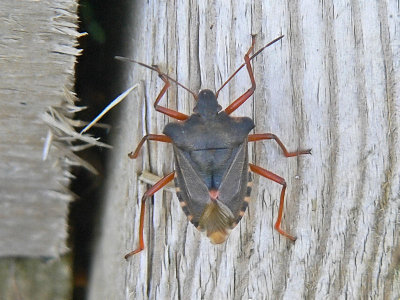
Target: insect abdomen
(246, 200)
(184, 205)
(216, 221)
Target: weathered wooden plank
(37, 57)
(332, 85)
(33, 278)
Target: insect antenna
(253, 56)
(158, 71)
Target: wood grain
(330, 85)
(37, 57)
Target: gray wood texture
(37, 57)
(332, 84)
(33, 278)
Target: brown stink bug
(212, 175)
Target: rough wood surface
(37, 57)
(33, 278)
(332, 85)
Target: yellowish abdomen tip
(217, 237)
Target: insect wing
(192, 192)
(233, 187)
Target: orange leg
(169, 112)
(151, 137)
(281, 181)
(239, 101)
(150, 192)
(269, 136)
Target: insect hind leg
(150, 192)
(267, 174)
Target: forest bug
(212, 175)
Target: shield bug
(212, 173)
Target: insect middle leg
(151, 137)
(269, 136)
(239, 101)
(165, 110)
(150, 192)
(281, 181)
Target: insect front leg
(267, 174)
(165, 110)
(150, 192)
(269, 136)
(239, 101)
(151, 137)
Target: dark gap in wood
(97, 83)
